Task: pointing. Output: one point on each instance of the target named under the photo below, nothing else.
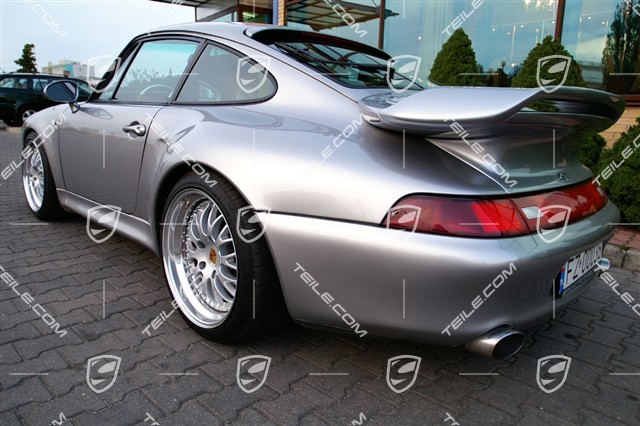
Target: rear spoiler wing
(432, 110)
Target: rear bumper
(414, 286)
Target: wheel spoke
(202, 268)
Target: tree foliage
(526, 76)
(623, 41)
(456, 62)
(619, 173)
(622, 47)
(27, 62)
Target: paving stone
(29, 390)
(619, 405)
(576, 318)
(566, 402)
(80, 400)
(230, 401)
(182, 340)
(607, 336)
(335, 386)
(413, 411)
(9, 418)
(292, 369)
(179, 389)
(505, 394)
(92, 330)
(44, 363)
(538, 416)
(29, 349)
(618, 322)
(79, 354)
(192, 413)
(132, 409)
(358, 401)
(8, 354)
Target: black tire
(249, 315)
(49, 209)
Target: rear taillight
(495, 217)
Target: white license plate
(579, 265)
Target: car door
(13, 89)
(102, 144)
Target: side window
(22, 83)
(223, 76)
(155, 71)
(8, 83)
(40, 83)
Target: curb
(627, 259)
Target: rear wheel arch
(167, 184)
(269, 306)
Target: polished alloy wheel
(33, 178)
(199, 255)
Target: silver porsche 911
(285, 173)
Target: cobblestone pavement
(103, 296)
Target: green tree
(622, 48)
(619, 173)
(526, 76)
(591, 150)
(591, 147)
(27, 62)
(455, 61)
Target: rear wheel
(38, 184)
(225, 288)
(25, 113)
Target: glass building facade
(502, 32)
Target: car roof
(263, 33)
(29, 74)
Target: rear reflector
(495, 217)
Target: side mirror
(65, 91)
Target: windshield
(349, 67)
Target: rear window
(347, 64)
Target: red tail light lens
(495, 217)
(577, 202)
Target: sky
(78, 29)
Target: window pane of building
(500, 31)
(355, 19)
(589, 27)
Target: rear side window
(14, 83)
(223, 76)
(40, 83)
(155, 71)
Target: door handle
(136, 128)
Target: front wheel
(226, 289)
(37, 182)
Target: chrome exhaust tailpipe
(498, 343)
